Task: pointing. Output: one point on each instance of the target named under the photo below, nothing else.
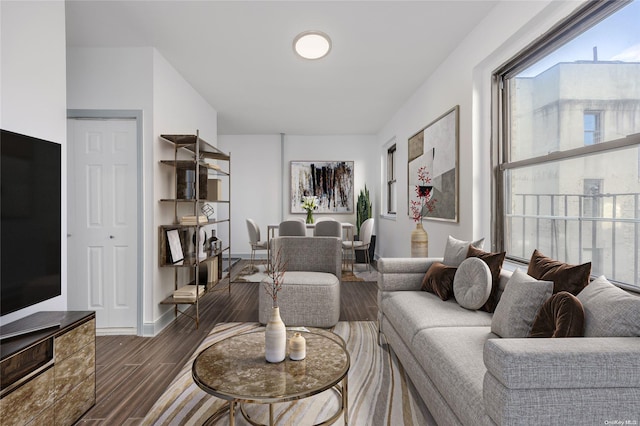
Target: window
(591, 128)
(555, 155)
(391, 180)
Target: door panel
(102, 261)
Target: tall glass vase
(419, 242)
(275, 338)
(309, 216)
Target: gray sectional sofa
(467, 375)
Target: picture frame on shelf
(175, 247)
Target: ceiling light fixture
(312, 44)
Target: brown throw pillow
(562, 315)
(439, 280)
(494, 261)
(565, 277)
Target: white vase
(275, 338)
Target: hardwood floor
(132, 372)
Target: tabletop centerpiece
(310, 203)
(275, 335)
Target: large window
(568, 127)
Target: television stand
(47, 368)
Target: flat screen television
(30, 227)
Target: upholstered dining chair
(254, 239)
(328, 228)
(366, 230)
(292, 228)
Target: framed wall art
(434, 150)
(330, 181)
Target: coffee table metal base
(232, 406)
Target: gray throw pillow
(472, 283)
(609, 311)
(522, 298)
(456, 250)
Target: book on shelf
(194, 220)
(188, 292)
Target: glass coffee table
(234, 369)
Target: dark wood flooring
(132, 372)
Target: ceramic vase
(309, 216)
(275, 338)
(419, 242)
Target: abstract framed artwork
(330, 181)
(435, 148)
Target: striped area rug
(380, 393)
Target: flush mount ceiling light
(312, 44)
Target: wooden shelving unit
(199, 168)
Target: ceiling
(238, 55)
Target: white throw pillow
(455, 252)
(609, 311)
(472, 283)
(520, 302)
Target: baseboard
(117, 331)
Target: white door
(102, 222)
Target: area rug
(380, 393)
(256, 273)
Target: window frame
(392, 182)
(575, 24)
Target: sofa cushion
(565, 277)
(520, 302)
(456, 250)
(609, 311)
(562, 315)
(439, 280)
(494, 261)
(452, 358)
(472, 283)
(412, 311)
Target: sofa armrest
(402, 273)
(562, 381)
(564, 363)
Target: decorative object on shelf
(297, 347)
(363, 211)
(435, 148)
(310, 203)
(208, 210)
(425, 203)
(330, 181)
(275, 334)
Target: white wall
(141, 79)
(32, 94)
(260, 184)
(463, 79)
(177, 109)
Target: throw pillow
(494, 261)
(522, 298)
(456, 250)
(439, 280)
(561, 315)
(609, 311)
(565, 277)
(472, 283)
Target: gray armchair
(310, 293)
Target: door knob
(111, 237)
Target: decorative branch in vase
(419, 208)
(275, 335)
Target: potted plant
(363, 212)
